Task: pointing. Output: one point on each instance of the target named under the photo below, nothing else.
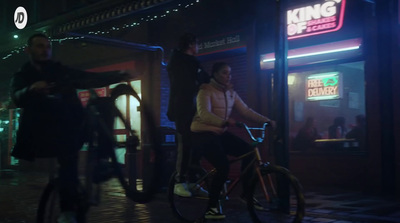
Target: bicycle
(128, 174)
(266, 187)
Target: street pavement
(20, 192)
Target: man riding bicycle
(215, 102)
(52, 121)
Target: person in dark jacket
(338, 129)
(358, 132)
(51, 124)
(305, 138)
(185, 75)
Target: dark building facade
(342, 62)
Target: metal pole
(387, 39)
(280, 97)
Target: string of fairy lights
(135, 23)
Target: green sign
(323, 86)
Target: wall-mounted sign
(324, 86)
(20, 17)
(320, 17)
(221, 42)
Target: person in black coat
(52, 119)
(305, 138)
(338, 129)
(358, 132)
(186, 76)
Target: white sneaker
(197, 190)
(214, 214)
(67, 217)
(181, 189)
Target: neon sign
(323, 86)
(315, 19)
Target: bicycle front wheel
(138, 153)
(276, 196)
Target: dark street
(20, 191)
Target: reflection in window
(327, 109)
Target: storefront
(330, 78)
(326, 91)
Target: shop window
(327, 109)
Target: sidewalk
(20, 191)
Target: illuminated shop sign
(318, 18)
(320, 53)
(324, 86)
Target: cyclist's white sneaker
(67, 217)
(197, 190)
(214, 214)
(181, 189)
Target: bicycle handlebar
(248, 129)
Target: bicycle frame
(255, 163)
(257, 141)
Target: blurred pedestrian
(51, 124)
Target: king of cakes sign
(317, 18)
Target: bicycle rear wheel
(137, 155)
(189, 209)
(49, 204)
(280, 185)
